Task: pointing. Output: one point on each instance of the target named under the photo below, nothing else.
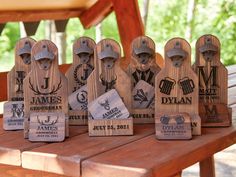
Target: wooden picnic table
(141, 155)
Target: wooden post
(129, 24)
(77, 74)
(142, 71)
(109, 93)
(207, 167)
(46, 97)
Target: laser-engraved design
(187, 85)
(166, 85)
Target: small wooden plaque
(47, 127)
(143, 95)
(108, 75)
(77, 74)
(13, 116)
(108, 106)
(213, 83)
(176, 85)
(45, 87)
(173, 126)
(142, 71)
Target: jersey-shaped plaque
(109, 93)
(176, 89)
(142, 71)
(81, 68)
(14, 109)
(46, 96)
(213, 81)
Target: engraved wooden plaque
(77, 74)
(47, 127)
(13, 112)
(173, 126)
(176, 85)
(108, 75)
(213, 80)
(45, 87)
(143, 68)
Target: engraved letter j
(45, 86)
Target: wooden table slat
(64, 158)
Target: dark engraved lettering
(175, 100)
(108, 84)
(166, 85)
(17, 111)
(86, 72)
(54, 90)
(19, 81)
(46, 100)
(210, 80)
(45, 86)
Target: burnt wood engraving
(77, 75)
(109, 93)
(45, 91)
(15, 85)
(176, 86)
(213, 80)
(142, 71)
(173, 126)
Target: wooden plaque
(176, 85)
(77, 74)
(173, 126)
(108, 75)
(213, 83)
(45, 87)
(13, 116)
(143, 68)
(47, 127)
(13, 112)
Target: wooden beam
(2, 27)
(61, 25)
(32, 16)
(129, 24)
(31, 28)
(96, 13)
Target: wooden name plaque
(13, 116)
(47, 127)
(45, 88)
(173, 126)
(176, 85)
(13, 109)
(109, 82)
(213, 81)
(142, 71)
(77, 74)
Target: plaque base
(111, 127)
(47, 127)
(13, 116)
(215, 115)
(173, 126)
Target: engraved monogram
(140, 96)
(179, 119)
(147, 76)
(48, 121)
(17, 111)
(53, 91)
(19, 81)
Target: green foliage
(166, 19)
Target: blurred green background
(189, 19)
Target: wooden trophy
(213, 81)
(109, 93)
(13, 116)
(81, 68)
(142, 71)
(46, 98)
(176, 86)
